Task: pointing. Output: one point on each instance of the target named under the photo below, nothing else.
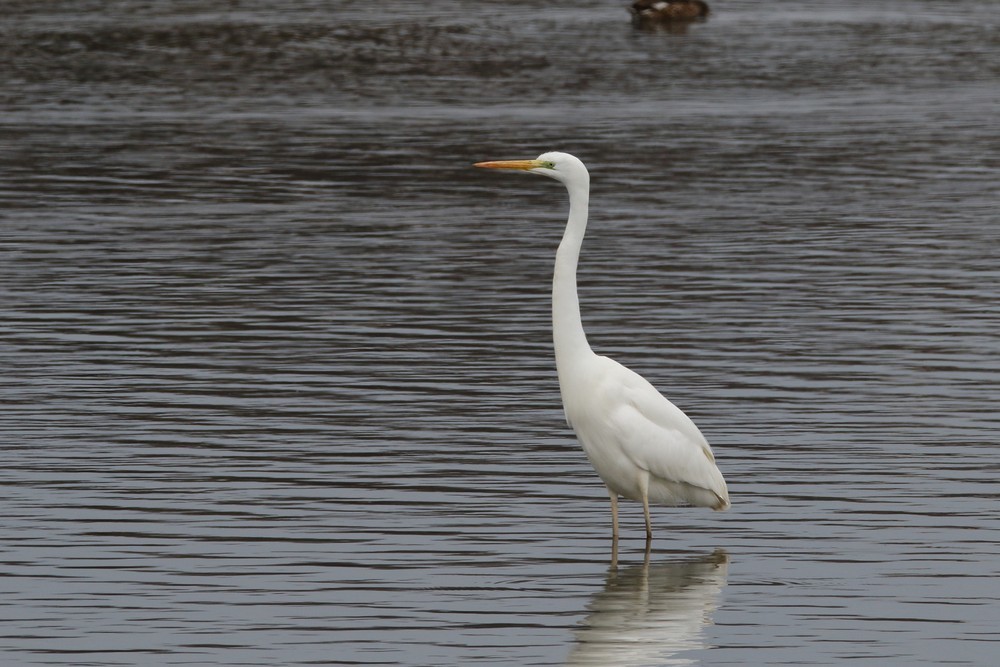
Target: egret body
(642, 446)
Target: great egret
(642, 446)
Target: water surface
(278, 381)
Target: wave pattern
(278, 382)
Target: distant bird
(651, 12)
(642, 445)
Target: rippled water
(278, 382)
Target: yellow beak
(522, 165)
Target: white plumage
(642, 446)
(634, 437)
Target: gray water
(278, 385)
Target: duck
(667, 11)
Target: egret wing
(658, 437)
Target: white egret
(642, 446)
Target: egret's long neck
(567, 328)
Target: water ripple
(278, 373)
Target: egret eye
(549, 165)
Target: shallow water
(279, 385)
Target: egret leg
(614, 515)
(645, 510)
(644, 488)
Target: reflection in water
(648, 614)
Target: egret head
(560, 166)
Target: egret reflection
(650, 614)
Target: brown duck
(665, 11)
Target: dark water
(277, 376)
